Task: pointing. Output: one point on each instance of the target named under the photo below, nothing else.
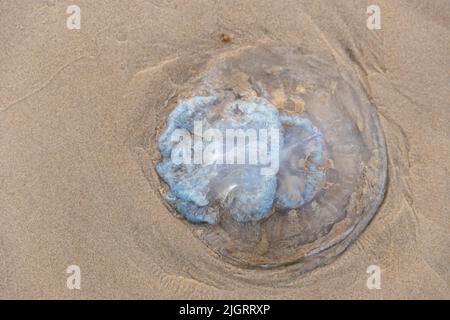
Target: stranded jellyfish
(275, 157)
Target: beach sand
(80, 111)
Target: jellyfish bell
(324, 158)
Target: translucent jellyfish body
(309, 184)
(201, 163)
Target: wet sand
(80, 111)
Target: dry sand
(78, 115)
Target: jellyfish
(277, 156)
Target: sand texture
(81, 112)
